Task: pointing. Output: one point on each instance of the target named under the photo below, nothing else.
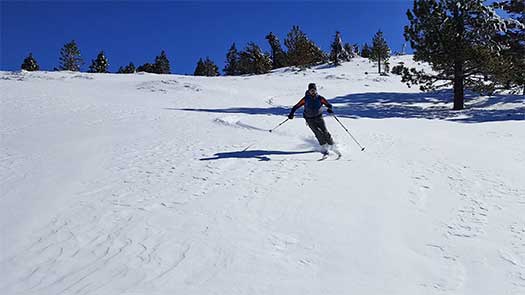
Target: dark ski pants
(319, 128)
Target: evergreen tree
(199, 69)
(301, 51)
(30, 64)
(147, 67)
(162, 64)
(278, 55)
(206, 68)
(129, 69)
(232, 62)
(380, 51)
(510, 73)
(70, 59)
(365, 51)
(457, 39)
(254, 61)
(338, 53)
(351, 50)
(99, 65)
(212, 69)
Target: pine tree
(232, 62)
(212, 69)
(253, 61)
(380, 51)
(70, 59)
(30, 64)
(162, 64)
(301, 51)
(206, 68)
(350, 49)
(199, 69)
(147, 67)
(100, 64)
(129, 69)
(457, 39)
(278, 55)
(510, 73)
(365, 51)
(353, 50)
(338, 53)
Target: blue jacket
(313, 105)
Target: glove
(290, 116)
(330, 111)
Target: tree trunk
(379, 64)
(459, 60)
(459, 96)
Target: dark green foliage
(352, 51)
(206, 68)
(338, 53)
(129, 69)
(100, 64)
(365, 51)
(162, 64)
(232, 62)
(301, 51)
(30, 64)
(199, 69)
(278, 55)
(253, 61)
(457, 38)
(70, 59)
(147, 67)
(510, 73)
(398, 70)
(380, 51)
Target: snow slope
(168, 184)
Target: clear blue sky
(133, 31)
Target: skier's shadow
(262, 155)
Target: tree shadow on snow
(432, 105)
(261, 155)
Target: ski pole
(362, 148)
(279, 125)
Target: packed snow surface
(169, 184)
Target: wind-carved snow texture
(157, 184)
(165, 86)
(471, 218)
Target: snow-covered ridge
(170, 184)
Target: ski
(327, 155)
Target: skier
(313, 114)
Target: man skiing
(313, 114)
